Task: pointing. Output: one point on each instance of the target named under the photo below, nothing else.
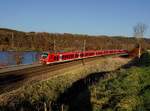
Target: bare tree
(139, 31)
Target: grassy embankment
(34, 97)
(124, 90)
(127, 89)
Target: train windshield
(44, 55)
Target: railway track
(14, 79)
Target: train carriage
(47, 58)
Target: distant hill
(42, 41)
(8, 30)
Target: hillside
(124, 90)
(60, 89)
(40, 41)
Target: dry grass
(49, 89)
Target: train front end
(44, 58)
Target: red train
(47, 58)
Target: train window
(62, 57)
(68, 56)
(72, 56)
(44, 55)
(56, 58)
(76, 55)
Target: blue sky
(94, 17)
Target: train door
(60, 57)
(51, 58)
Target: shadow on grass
(77, 97)
(143, 61)
(133, 62)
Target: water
(9, 58)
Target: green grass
(124, 90)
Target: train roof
(76, 51)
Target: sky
(92, 17)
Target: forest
(12, 40)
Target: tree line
(43, 41)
